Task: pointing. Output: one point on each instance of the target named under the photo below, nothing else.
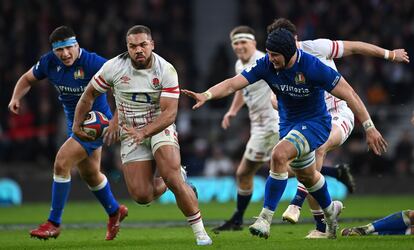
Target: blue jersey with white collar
(299, 89)
(71, 81)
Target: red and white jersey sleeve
(170, 87)
(326, 50)
(102, 80)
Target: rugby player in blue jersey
(299, 80)
(70, 68)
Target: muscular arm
(23, 85)
(367, 49)
(84, 105)
(237, 102)
(345, 92)
(219, 90)
(236, 105)
(169, 107)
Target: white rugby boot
(260, 227)
(291, 214)
(316, 234)
(203, 240)
(331, 220)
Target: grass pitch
(164, 227)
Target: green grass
(143, 236)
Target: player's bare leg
(141, 184)
(244, 177)
(168, 162)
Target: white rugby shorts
(259, 147)
(344, 119)
(131, 152)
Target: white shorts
(130, 151)
(259, 147)
(344, 119)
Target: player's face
(244, 49)
(277, 59)
(140, 47)
(67, 55)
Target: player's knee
(61, 166)
(305, 179)
(243, 175)
(279, 157)
(320, 153)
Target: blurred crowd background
(193, 36)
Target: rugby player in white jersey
(146, 92)
(264, 123)
(342, 117)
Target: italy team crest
(79, 73)
(299, 78)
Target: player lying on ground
(400, 223)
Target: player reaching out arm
(303, 114)
(342, 117)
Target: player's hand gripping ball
(95, 124)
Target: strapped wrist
(386, 54)
(208, 95)
(368, 124)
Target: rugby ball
(95, 124)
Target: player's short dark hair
(61, 33)
(241, 29)
(138, 29)
(282, 23)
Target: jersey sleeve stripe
(337, 49)
(334, 48)
(103, 80)
(169, 94)
(102, 85)
(172, 90)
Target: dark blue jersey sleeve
(40, 68)
(322, 75)
(256, 72)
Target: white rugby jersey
(137, 92)
(263, 117)
(326, 50)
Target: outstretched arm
(23, 85)
(218, 91)
(84, 105)
(367, 49)
(345, 92)
(236, 105)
